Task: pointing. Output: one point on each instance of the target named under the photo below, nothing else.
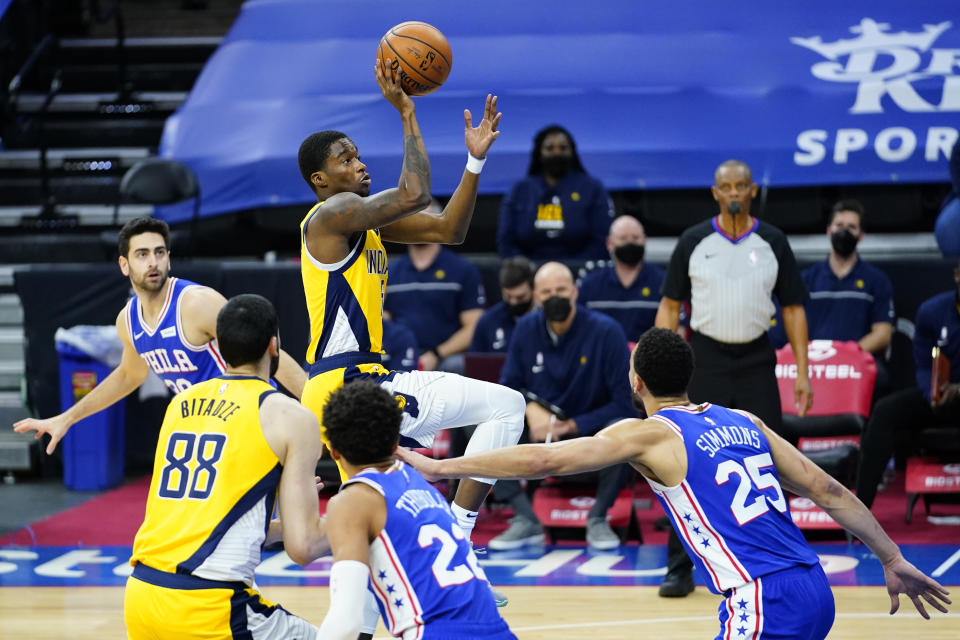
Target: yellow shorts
(154, 612)
(319, 387)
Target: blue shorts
(793, 604)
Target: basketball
(421, 55)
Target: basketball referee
(728, 267)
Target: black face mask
(844, 242)
(557, 309)
(519, 308)
(629, 254)
(557, 166)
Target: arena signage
(886, 68)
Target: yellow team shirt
(345, 300)
(214, 483)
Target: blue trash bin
(93, 449)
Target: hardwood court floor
(534, 613)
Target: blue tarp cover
(656, 94)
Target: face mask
(556, 309)
(844, 242)
(629, 254)
(519, 308)
(557, 166)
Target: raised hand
(56, 426)
(479, 138)
(389, 81)
(903, 577)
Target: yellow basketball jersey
(214, 483)
(345, 300)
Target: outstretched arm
(129, 375)
(531, 460)
(451, 226)
(803, 477)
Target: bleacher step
(11, 344)
(86, 214)
(11, 310)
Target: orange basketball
(419, 53)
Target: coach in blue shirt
(493, 330)
(558, 212)
(849, 298)
(628, 290)
(576, 360)
(439, 296)
(910, 410)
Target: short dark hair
(244, 328)
(314, 152)
(362, 421)
(847, 204)
(664, 361)
(140, 225)
(536, 162)
(515, 271)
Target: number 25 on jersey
(751, 476)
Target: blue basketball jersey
(165, 349)
(422, 568)
(730, 511)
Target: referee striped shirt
(730, 282)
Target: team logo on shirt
(440, 274)
(859, 284)
(550, 216)
(575, 196)
(583, 360)
(538, 367)
(646, 292)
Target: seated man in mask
(496, 325)
(629, 289)
(571, 363)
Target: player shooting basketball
(344, 269)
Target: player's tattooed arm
(416, 164)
